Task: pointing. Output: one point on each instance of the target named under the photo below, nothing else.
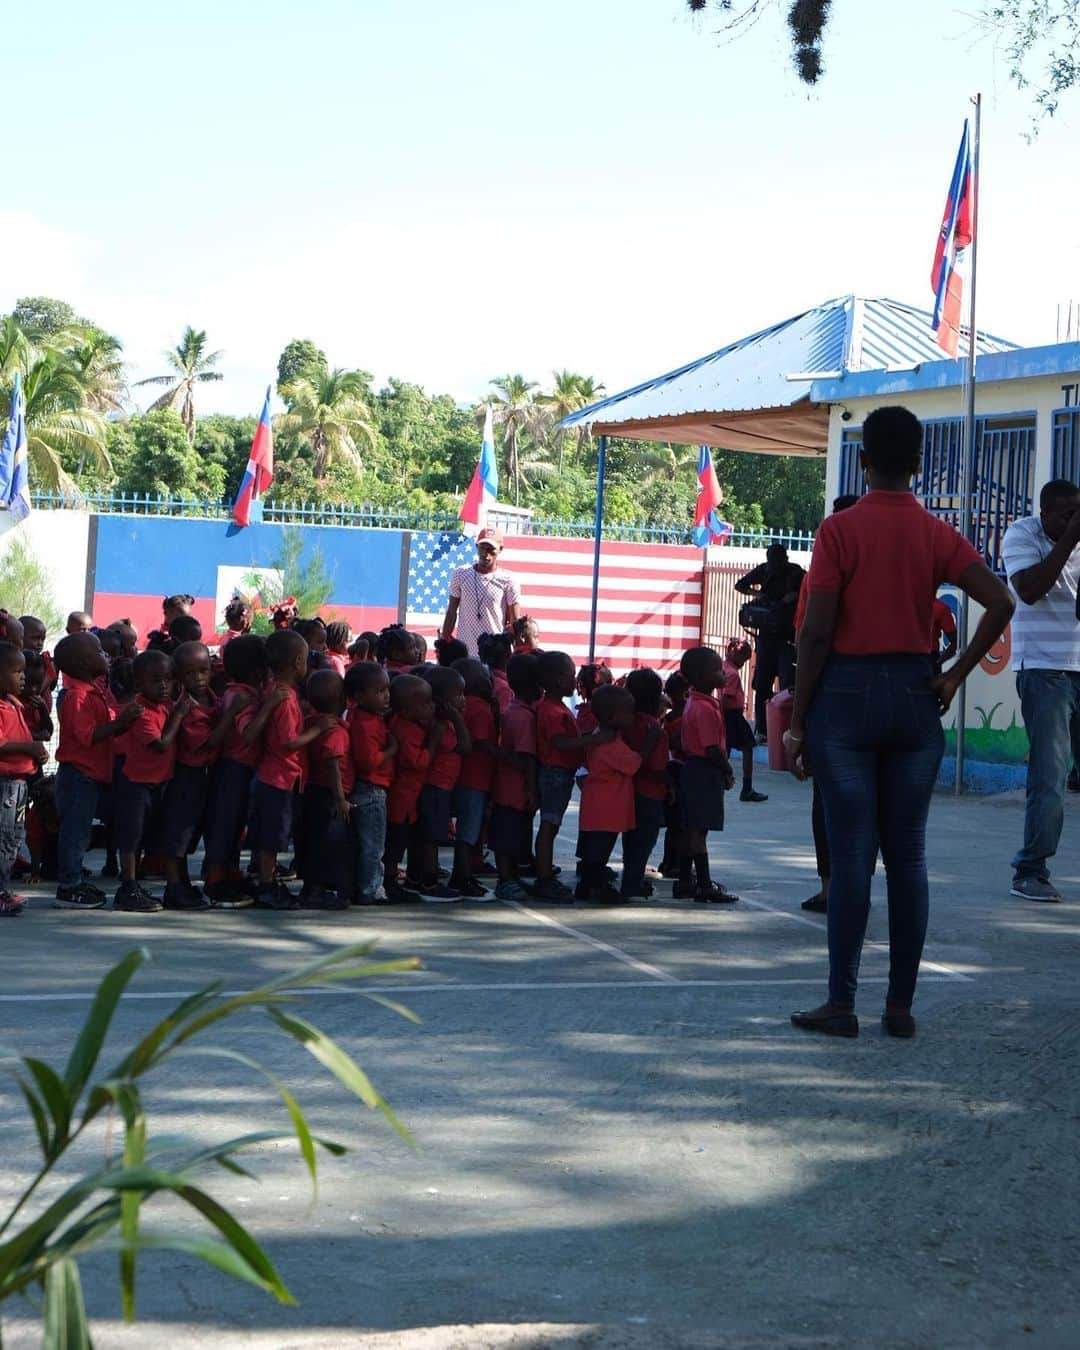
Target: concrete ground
(622, 1141)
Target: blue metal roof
(847, 334)
(1020, 363)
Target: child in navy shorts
(706, 774)
(185, 796)
(740, 734)
(327, 845)
(514, 793)
(229, 794)
(417, 733)
(651, 785)
(473, 790)
(436, 797)
(373, 751)
(149, 749)
(560, 751)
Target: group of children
(361, 759)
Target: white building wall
(60, 541)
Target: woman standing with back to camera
(867, 714)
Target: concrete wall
(60, 541)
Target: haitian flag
(708, 527)
(484, 488)
(259, 473)
(950, 256)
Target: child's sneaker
(600, 895)
(180, 897)
(276, 896)
(226, 895)
(438, 893)
(78, 897)
(551, 888)
(714, 894)
(512, 890)
(749, 795)
(397, 894)
(131, 898)
(471, 889)
(11, 906)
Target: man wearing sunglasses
(484, 598)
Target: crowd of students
(351, 765)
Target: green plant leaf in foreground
(85, 1053)
(66, 1327)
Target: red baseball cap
(490, 535)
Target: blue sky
(446, 192)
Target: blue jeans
(76, 805)
(875, 743)
(13, 795)
(1050, 702)
(368, 823)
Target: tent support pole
(598, 528)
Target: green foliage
(103, 1208)
(42, 318)
(25, 583)
(306, 579)
(301, 359)
(152, 454)
(190, 363)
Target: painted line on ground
(508, 987)
(879, 946)
(616, 952)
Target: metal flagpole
(967, 492)
(601, 466)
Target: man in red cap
(483, 598)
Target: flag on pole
(708, 527)
(948, 274)
(259, 473)
(14, 458)
(484, 488)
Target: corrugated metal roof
(850, 333)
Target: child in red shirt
(89, 722)
(651, 786)
(373, 750)
(607, 794)
(473, 790)
(417, 733)
(514, 793)
(185, 797)
(338, 638)
(739, 733)
(675, 692)
(495, 650)
(589, 679)
(35, 698)
(436, 797)
(34, 635)
(149, 749)
(327, 848)
(229, 788)
(280, 724)
(20, 760)
(560, 750)
(706, 774)
(239, 617)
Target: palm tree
(15, 349)
(60, 422)
(191, 364)
(96, 356)
(330, 412)
(513, 400)
(666, 463)
(569, 392)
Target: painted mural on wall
(995, 728)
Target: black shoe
(131, 898)
(227, 895)
(749, 795)
(396, 894)
(324, 900)
(829, 1024)
(817, 904)
(714, 894)
(276, 896)
(470, 889)
(900, 1024)
(78, 897)
(179, 897)
(600, 895)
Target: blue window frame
(1065, 444)
(1004, 472)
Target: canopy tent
(754, 394)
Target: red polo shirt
(13, 727)
(517, 732)
(445, 767)
(233, 747)
(702, 724)
(195, 729)
(501, 687)
(330, 745)
(585, 719)
(142, 762)
(734, 695)
(410, 769)
(368, 734)
(554, 718)
(607, 794)
(83, 708)
(651, 779)
(278, 767)
(478, 766)
(886, 557)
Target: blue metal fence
(1065, 454)
(1004, 473)
(368, 516)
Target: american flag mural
(649, 605)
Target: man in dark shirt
(774, 585)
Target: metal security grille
(1065, 449)
(1004, 472)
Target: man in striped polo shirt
(1042, 562)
